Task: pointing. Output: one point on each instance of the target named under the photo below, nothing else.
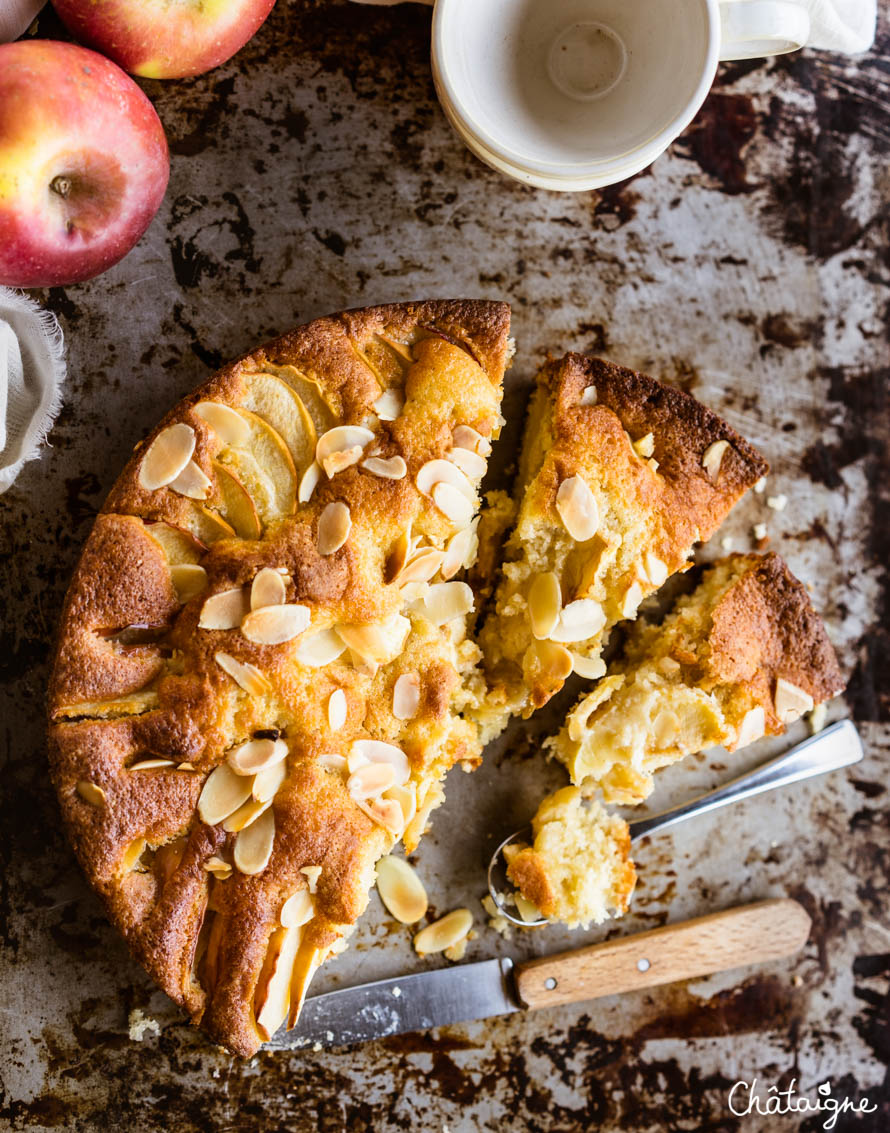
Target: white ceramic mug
(578, 94)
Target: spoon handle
(835, 747)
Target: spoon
(835, 747)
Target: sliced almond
(544, 604)
(384, 812)
(591, 668)
(229, 426)
(579, 621)
(364, 752)
(222, 794)
(246, 815)
(466, 437)
(218, 867)
(530, 913)
(423, 564)
(645, 446)
(151, 764)
(91, 793)
(589, 396)
(713, 458)
(656, 570)
(578, 509)
(332, 761)
(443, 933)
(253, 846)
(321, 648)
(272, 998)
(379, 643)
(444, 601)
(132, 854)
(312, 873)
(189, 580)
(337, 710)
(341, 442)
(298, 909)
(406, 696)
(224, 610)
(402, 549)
(548, 663)
(444, 472)
(268, 781)
(166, 456)
(401, 890)
(246, 676)
(334, 525)
(791, 701)
(309, 482)
(267, 589)
(470, 463)
(461, 551)
(389, 405)
(273, 625)
(453, 504)
(633, 596)
(371, 780)
(405, 795)
(752, 727)
(193, 482)
(256, 755)
(393, 468)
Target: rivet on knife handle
(748, 934)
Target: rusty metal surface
(750, 264)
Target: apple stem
(61, 185)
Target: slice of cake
(620, 476)
(262, 673)
(742, 656)
(578, 868)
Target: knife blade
(748, 934)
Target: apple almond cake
(742, 656)
(263, 673)
(619, 477)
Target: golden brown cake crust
(136, 680)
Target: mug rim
(632, 160)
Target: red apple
(83, 163)
(160, 40)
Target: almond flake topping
(453, 504)
(222, 794)
(589, 396)
(332, 761)
(632, 598)
(591, 668)
(656, 570)
(267, 782)
(91, 793)
(401, 890)
(253, 846)
(193, 482)
(444, 472)
(312, 873)
(297, 910)
(150, 764)
(384, 812)
(544, 604)
(470, 463)
(273, 625)
(791, 701)
(377, 643)
(461, 551)
(405, 795)
(189, 579)
(578, 509)
(218, 867)
(167, 456)
(713, 458)
(530, 913)
(246, 815)
(466, 437)
(444, 933)
(341, 447)
(256, 755)
(246, 676)
(337, 710)
(422, 565)
(224, 610)
(578, 621)
(550, 662)
(393, 468)
(752, 727)
(406, 696)
(267, 589)
(309, 482)
(645, 446)
(363, 752)
(334, 525)
(389, 405)
(370, 780)
(229, 425)
(320, 648)
(445, 601)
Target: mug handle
(750, 29)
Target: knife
(747, 934)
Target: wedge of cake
(742, 656)
(262, 672)
(620, 476)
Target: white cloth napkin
(835, 25)
(32, 369)
(16, 16)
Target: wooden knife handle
(748, 934)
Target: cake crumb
(777, 503)
(726, 542)
(396, 991)
(496, 919)
(139, 1025)
(317, 1047)
(760, 531)
(817, 718)
(760, 486)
